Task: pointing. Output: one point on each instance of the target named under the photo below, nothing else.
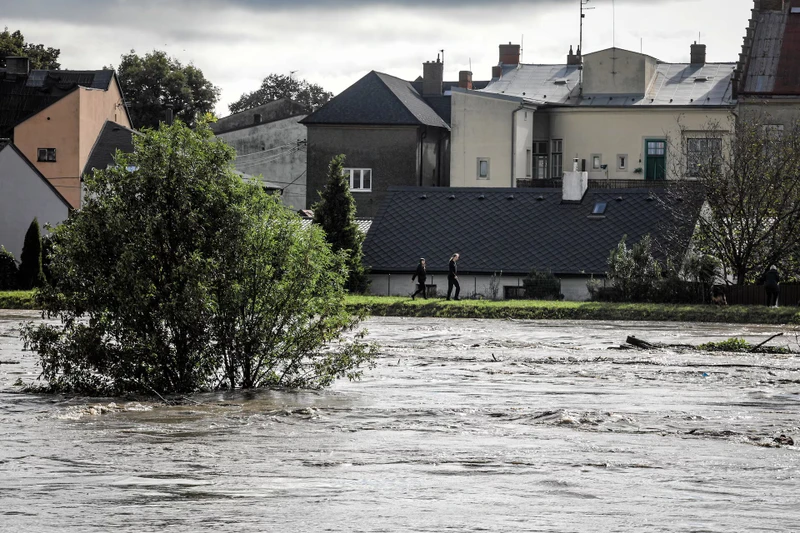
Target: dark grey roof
(450, 85)
(269, 112)
(23, 96)
(513, 230)
(772, 66)
(378, 99)
(36, 171)
(112, 137)
(674, 84)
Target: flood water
(464, 425)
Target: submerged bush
(176, 277)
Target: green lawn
(531, 309)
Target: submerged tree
(336, 214)
(30, 267)
(176, 276)
(749, 174)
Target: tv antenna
(580, 42)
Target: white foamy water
(465, 425)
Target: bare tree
(748, 171)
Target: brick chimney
(698, 54)
(465, 79)
(509, 54)
(432, 77)
(18, 65)
(573, 58)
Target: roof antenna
(613, 24)
(580, 43)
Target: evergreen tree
(8, 270)
(336, 213)
(30, 268)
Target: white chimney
(574, 184)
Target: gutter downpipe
(514, 143)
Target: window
(46, 154)
(540, 159)
(597, 162)
(599, 208)
(360, 179)
(528, 164)
(483, 168)
(558, 158)
(622, 162)
(655, 159)
(701, 152)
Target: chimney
(18, 65)
(497, 72)
(698, 54)
(465, 79)
(574, 184)
(572, 58)
(509, 54)
(432, 77)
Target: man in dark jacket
(452, 278)
(772, 286)
(421, 276)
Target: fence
(756, 295)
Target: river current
(463, 425)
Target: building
(622, 115)
(391, 133)
(270, 142)
(767, 77)
(568, 232)
(27, 194)
(54, 117)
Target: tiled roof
(24, 96)
(112, 137)
(772, 60)
(513, 230)
(377, 99)
(674, 84)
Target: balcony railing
(597, 184)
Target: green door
(655, 160)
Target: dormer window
(599, 208)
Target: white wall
(25, 196)
(481, 127)
(617, 71)
(573, 289)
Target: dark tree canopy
(336, 214)
(151, 82)
(277, 86)
(30, 267)
(13, 44)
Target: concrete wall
(483, 127)
(261, 150)
(25, 196)
(615, 131)
(71, 126)
(391, 152)
(400, 284)
(617, 71)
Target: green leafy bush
(176, 277)
(9, 272)
(542, 286)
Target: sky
(236, 43)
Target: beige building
(55, 117)
(624, 116)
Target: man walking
(421, 276)
(452, 277)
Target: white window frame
(478, 173)
(356, 176)
(557, 155)
(622, 162)
(695, 158)
(597, 158)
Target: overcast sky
(236, 43)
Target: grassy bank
(532, 310)
(539, 310)
(16, 300)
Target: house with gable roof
(621, 115)
(391, 134)
(54, 117)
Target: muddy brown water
(464, 425)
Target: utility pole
(580, 43)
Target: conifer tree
(30, 268)
(8, 270)
(336, 213)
